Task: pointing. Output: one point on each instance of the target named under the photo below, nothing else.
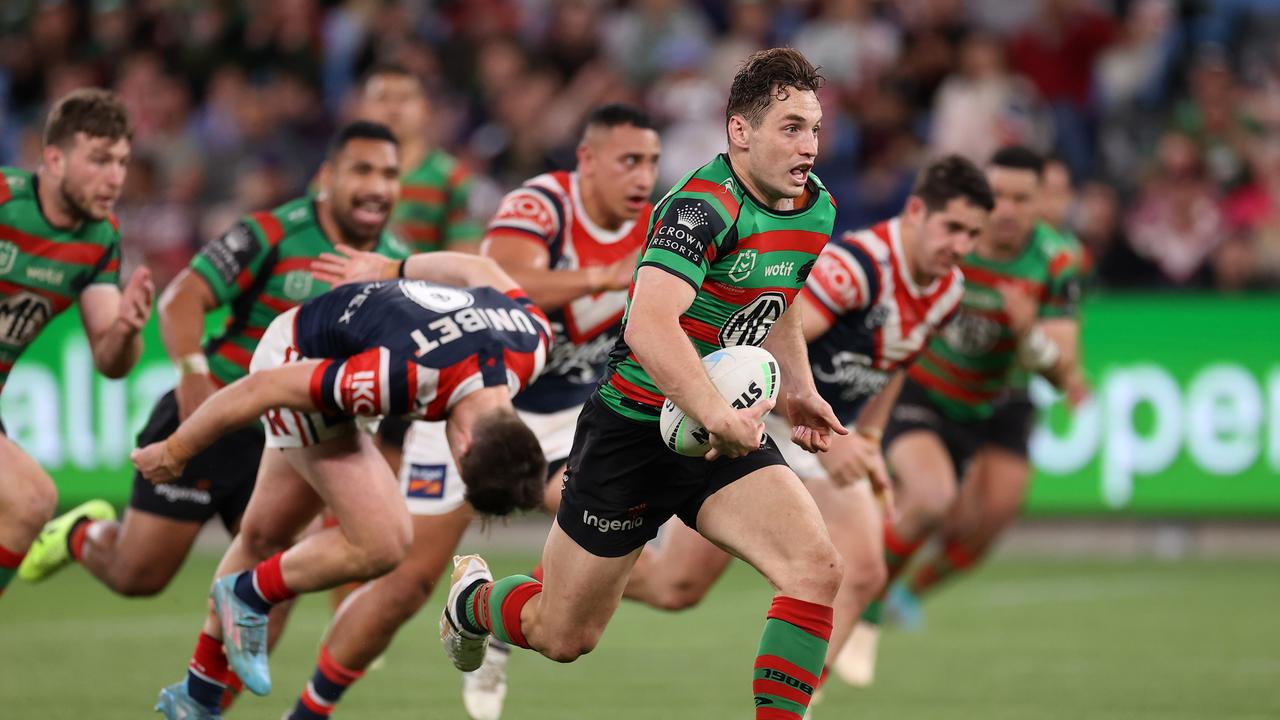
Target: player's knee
(815, 577)
(680, 595)
(568, 648)
(138, 581)
(932, 509)
(34, 506)
(864, 578)
(382, 555)
(261, 544)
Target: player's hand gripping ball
(743, 374)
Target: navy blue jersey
(548, 210)
(416, 348)
(880, 319)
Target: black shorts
(217, 481)
(1009, 427)
(622, 483)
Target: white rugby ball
(744, 375)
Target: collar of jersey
(814, 193)
(599, 234)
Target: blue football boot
(244, 636)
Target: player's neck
(909, 251)
(53, 206)
(413, 151)
(333, 231)
(999, 252)
(594, 208)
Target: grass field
(1020, 640)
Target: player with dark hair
(570, 239)
(728, 249)
(996, 484)
(59, 244)
(260, 268)
(433, 212)
(407, 347)
(1020, 282)
(872, 302)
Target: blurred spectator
(848, 42)
(1215, 116)
(1176, 223)
(983, 107)
(640, 37)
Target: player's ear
(585, 156)
(323, 179)
(739, 132)
(54, 158)
(916, 209)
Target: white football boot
(465, 649)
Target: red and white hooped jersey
(880, 318)
(548, 210)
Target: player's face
(1055, 194)
(947, 235)
(620, 166)
(397, 102)
(91, 172)
(781, 151)
(363, 186)
(1017, 194)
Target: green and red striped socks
(9, 562)
(954, 558)
(495, 607)
(789, 667)
(897, 553)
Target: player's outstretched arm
(235, 405)
(113, 321)
(349, 265)
(812, 419)
(1065, 372)
(527, 261)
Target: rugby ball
(744, 375)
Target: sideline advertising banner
(1184, 421)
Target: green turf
(1020, 640)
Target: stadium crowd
(1167, 112)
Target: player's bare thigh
(925, 481)
(28, 497)
(769, 519)
(991, 496)
(281, 506)
(854, 519)
(680, 572)
(141, 554)
(580, 593)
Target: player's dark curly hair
(95, 112)
(1018, 157)
(766, 75)
(504, 468)
(951, 177)
(360, 130)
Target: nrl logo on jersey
(743, 264)
(691, 216)
(297, 285)
(8, 256)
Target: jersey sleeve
(230, 262)
(1064, 287)
(107, 271)
(374, 382)
(460, 227)
(686, 238)
(529, 212)
(844, 279)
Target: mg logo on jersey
(8, 256)
(750, 325)
(297, 285)
(22, 317)
(743, 264)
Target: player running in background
(570, 239)
(260, 268)
(1019, 283)
(59, 243)
(871, 303)
(727, 252)
(996, 484)
(367, 349)
(433, 212)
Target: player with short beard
(259, 268)
(59, 244)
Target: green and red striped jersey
(432, 213)
(261, 267)
(43, 269)
(974, 358)
(746, 261)
(1084, 266)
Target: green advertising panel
(1185, 418)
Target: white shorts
(803, 463)
(429, 479)
(291, 428)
